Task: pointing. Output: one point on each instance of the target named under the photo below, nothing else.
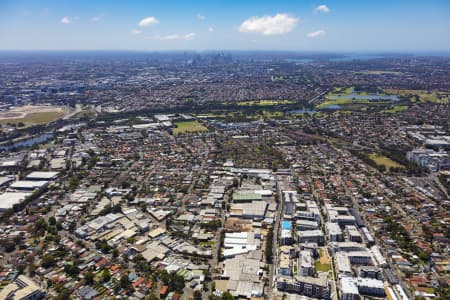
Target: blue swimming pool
(286, 225)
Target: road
(78, 109)
(214, 261)
(194, 181)
(323, 217)
(311, 101)
(439, 184)
(276, 229)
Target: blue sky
(329, 25)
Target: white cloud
(316, 33)
(269, 25)
(171, 37)
(66, 20)
(210, 29)
(200, 17)
(189, 36)
(97, 18)
(322, 8)
(148, 21)
(135, 31)
(168, 37)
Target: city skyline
(226, 25)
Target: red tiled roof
(163, 290)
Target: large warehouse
(8, 199)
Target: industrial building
(23, 288)
(8, 199)
(311, 236)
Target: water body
(357, 56)
(28, 142)
(369, 97)
(301, 111)
(332, 106)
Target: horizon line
(380, 51)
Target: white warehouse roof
(8, 199)
(28, 185)
(42, 175)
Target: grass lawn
(322, 267)
(334, 102)
(272, 114)
(342, 102)
(323, 263)
(384, 161)
(42, 117)
(396, 109)
(424, 96)
(47, 145)
(189, 126)
(207, 244)
(428, 290)
(35, 118)
(349, 90)
(341, 92)
(97, 278)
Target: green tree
(9, 246)
(40, 227)
(152, 296)
(89, 277)
(197, 295)
(125, 282)
(176, 282)
(106, 275)
(227, 296)
(21, 268)
(103, 246)
(52, 221)
(59, 226)
(48, 261)
(64, 294)
(164, 277)
(71, 270)
(115, 253)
